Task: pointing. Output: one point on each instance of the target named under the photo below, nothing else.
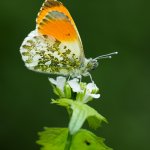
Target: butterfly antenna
(106, 56)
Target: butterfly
(55, 46)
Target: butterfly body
(55, 46)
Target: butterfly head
(87, 66)
(92, 64)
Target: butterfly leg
(80, 78)
(88, 74)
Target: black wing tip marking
(51, 3)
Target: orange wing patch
(59, 29)
(55, 20)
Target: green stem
(69, 141)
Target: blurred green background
(105, 26)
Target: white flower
(59, 82)
(91, 90)
(84, 92)
(61, 88)
(74, 84)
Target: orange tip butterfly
(55, 46)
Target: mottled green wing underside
(47, 55)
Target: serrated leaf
(53, 138)
(86, 140)
(56, 138)
(81, 112)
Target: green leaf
(53, 138)
(80, 113)
(67, 91)
(86, 140)
(56, 138)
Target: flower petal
(52, 81)
(74, 84)
(61, 83)
(95, 95)
(91, 87)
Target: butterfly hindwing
(42, 53)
